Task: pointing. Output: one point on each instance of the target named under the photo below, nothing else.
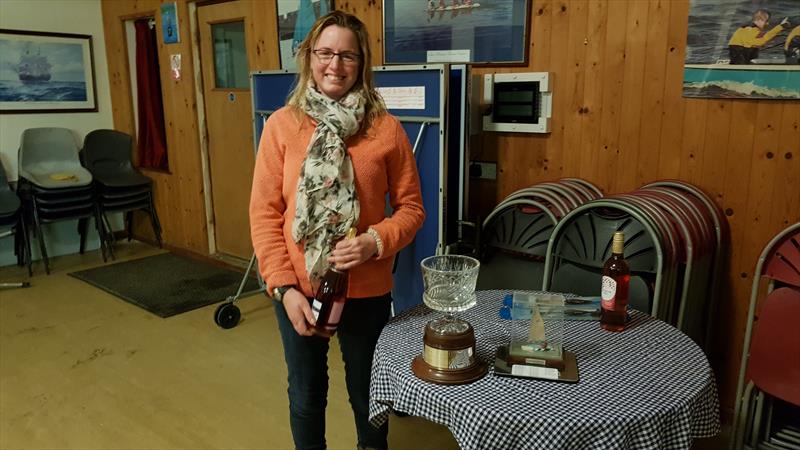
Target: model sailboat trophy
(449, 342)
(536, 347)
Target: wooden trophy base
(426, 372)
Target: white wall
(61, 16)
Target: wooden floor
(82, 369)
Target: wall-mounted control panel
(517, 102)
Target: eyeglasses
(325, 56)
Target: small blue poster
(169, 23)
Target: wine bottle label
(608, 292)
(315, 308)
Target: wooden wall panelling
(572, 86)
(536, 158)
(183, 141)
(652, 92)
(750, 231)
(624, 175)
(531, 156)
(371, 13)
(594, 84)
(739, 145)
(179, 193)
(715, 150)
(540, 36)
(763, 164)
(669, 161)
(262, 33)
(786, 194)
(613, 76)
(693, 139)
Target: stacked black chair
(54, 186)
(120, 187)
(13, 224)
(514, 237)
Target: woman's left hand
(349, 253)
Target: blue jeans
(307, 362)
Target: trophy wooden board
(569, 374)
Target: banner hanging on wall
(169, 23)
(743, 49)
(295, 19)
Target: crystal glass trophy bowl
(449, 351)
(449, 282)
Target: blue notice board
(424, 126)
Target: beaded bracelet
(378, 241)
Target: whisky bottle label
(315, 308)
(608, 292)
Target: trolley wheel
(227, 315)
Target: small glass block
(540, 335)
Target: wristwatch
(278, 292)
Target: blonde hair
(762, 14)
(374, 105)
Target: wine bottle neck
(618, 244)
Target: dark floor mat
(166, 284)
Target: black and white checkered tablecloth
(647, 387)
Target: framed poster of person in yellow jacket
(743, 49)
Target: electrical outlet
(483, 170)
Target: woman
(325, 163)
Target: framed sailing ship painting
(295, 19)
(455, 31)
(42, 72)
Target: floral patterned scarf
(327, 204)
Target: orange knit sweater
(382, 162)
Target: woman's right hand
(299, 312)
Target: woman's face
(335, 75)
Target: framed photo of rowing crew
(456, 31)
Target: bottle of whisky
(614, 290)
(330, 297)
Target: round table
(649, 386)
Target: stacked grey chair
(54, 186)
(119, 186)
(12, 224)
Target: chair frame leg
(26, 242)
(98, 224)
(129, 224)
(82, 229)
(111, 241)
(40, 235)
(154, 221)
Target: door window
(230, 55)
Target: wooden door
(228, 107)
